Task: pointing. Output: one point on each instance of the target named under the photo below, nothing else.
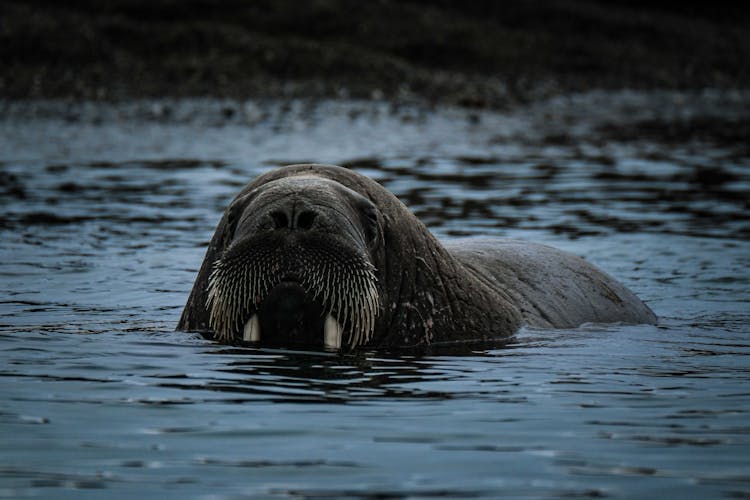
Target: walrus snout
(289, 218)
(293, 213)
(305, 205)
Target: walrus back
(551, 288)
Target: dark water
(106, 211)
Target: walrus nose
(288, 218)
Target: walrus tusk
(251, 332)
(332, 333)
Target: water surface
(106, 212)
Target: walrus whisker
(240, 281)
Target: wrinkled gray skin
(429, 292)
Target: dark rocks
(474, 54)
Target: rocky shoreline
(479, 54)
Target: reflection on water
(105, 220)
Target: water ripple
(104, 225)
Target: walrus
(320, 256)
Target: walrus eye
(229, 229)
(370, 225)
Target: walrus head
(322, 256)
(297, 266)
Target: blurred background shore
(485, 54)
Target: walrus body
(320, 256)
